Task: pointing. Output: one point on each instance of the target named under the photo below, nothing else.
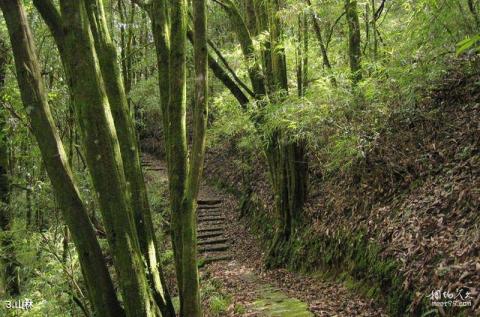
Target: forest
(275, 158)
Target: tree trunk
(299, 55)
(170, 34)
(161, 30)
(286, 158)
(248, 49)
(374, 31)
(223, 76)
(99, 285)
(200, 115)
(323, 47)
(127, 138)
(104, 160)
(289, 175)
(354, 41)
(9, 283)
(318, 32)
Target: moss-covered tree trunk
(354, 40)
(127, 138)
(97, 279)
(286, 157)
(9, 283)
(248, 49)
(104, 159)
(191, 289)
(169, 27)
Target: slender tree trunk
(123, 44)
(299, 55)
(323, 49)
(177, 144)
(169, 26)
(190, 273)
(302, 54)
(354, 40)
(374, 32)
(104, 159)
(33, 93)
(9, 282)
(248, 49)
(161, 36)
(229, 69)
(306, 47)
(223, 76)
(125, 129)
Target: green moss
(275, 303)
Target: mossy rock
(274, 303)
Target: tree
(170, 28)
(286, 158)
(354, 40)
(99, 284)
(125, 129)
(81, 34)
(9, 283)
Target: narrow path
(230, 255)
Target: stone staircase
(212, 243)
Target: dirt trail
(231, 255)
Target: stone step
(210, 218)
(204, 202)
(156, 168)
(215, 258)
(210, 223)
(210, 214)
(213, 248)
(212, 241)
(210, 229)
(208, 207)
(211, 234)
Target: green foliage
(230, 122)
(48, 280)
(468, 43)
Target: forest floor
(231, 259)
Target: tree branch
(51, 16)
(221, 75)
(142, 4)
(329, 37)
(230, 70)
(379, 11)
